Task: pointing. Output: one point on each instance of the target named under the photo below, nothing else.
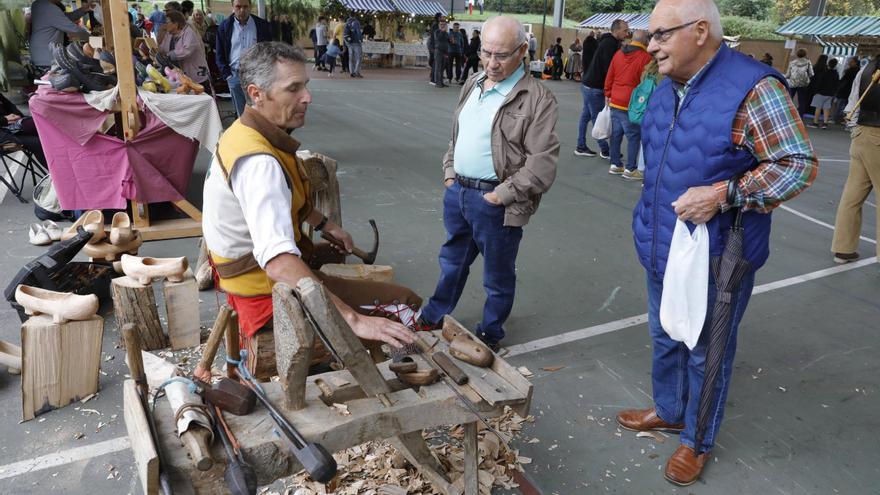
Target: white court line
(819, 222)
(122, 443)
(64, 457)
(833, 160)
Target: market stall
(840, 36)
(126, 146)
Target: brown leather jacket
(525, 147)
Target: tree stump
(135, 303)
(182, 307)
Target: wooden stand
(135, 303)
(60, 362)
(117, 36)
(380, 406)
(182, 306)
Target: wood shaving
(342, 409)
(376, 468)
(650, 434)
(524, 371)
(552, 368)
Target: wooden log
(136, 304)
(145, 455)
(471, 460)
(60, 362)
(375, 273)
(294, 340)
(261, 355)
(182, 307)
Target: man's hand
(340, 235)
(698, 205)
(382, 329)
(493, 198)
(202, 374)
(12, 118)
(448, 183)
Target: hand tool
(233, 344)
(314, 458)
(470, 351)
(136, 367)
(368, 257)
(228, 395)
(203, 369)
(240, 476)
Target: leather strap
(236, 267)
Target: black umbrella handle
(732, 184)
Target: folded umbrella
(728, 271)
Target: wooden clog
(109, 252)
(63, 306)
(420, 377)
(144, 270)
(120, 229)
(470, 351)
(405, 365)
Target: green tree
(755, 9)
(749, 28)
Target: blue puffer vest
(695, 148)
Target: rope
(242, 369)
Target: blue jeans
(620, 126)
(586, 116)
(677, 373)
(237, 92)
(474, 226)
(595, 98)
(355, 53)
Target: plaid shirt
(768, 125)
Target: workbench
(380, 406)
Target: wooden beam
(294, 340)
(471, 460)
(169, 229)
(121, 32)
(142, 447)
(10, 355)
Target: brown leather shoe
(645, 420)
(683, 468)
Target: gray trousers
(355, 53)
(439, 68)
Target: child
(330, 55)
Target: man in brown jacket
(502, 157)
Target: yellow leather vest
(241, 141)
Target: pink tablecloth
(96, 171)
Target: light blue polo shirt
(473, 146)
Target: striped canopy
(425, 8)
(838, 49)
(603, 21)
(862, 26)
(368, 5)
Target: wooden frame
(117, 35)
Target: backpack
(638, 102)
(800, 75)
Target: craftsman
(500, 160)
(257, 198)
(864, 165)
(717, 114)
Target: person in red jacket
(624, 75)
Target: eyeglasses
(500, 57)
(663, 35)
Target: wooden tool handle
(233, 347)
(133, 349)
(445, 363)
(217, 331)
(195, 439)
(354, 249)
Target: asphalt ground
(802, 413)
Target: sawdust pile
(377, 468)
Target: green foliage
(302, 14)
(749, 28)
(755, 9)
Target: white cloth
(253, 216)
(193, 116)
(854, 97)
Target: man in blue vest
(718, 114)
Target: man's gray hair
(521, 36)
(259, 63)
